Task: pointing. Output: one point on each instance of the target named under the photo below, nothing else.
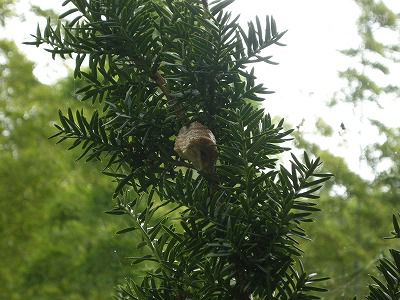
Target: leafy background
(50, 204)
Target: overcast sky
(305, 79)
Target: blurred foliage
(50, 205)
(378, 52)
(384, 158)
(5, 10)
(349, 241)
(323, 128)
(349, 238)
(47, 13)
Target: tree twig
(162, 84)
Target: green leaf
(172, 233)
(122, 183)
(315, 182)
(396, 225)
(126, 230)
(79, 60)
(219, 6)
(116, 212)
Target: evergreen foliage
(155, 66)
(388, 285)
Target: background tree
(49, 205)
(5, 10)
(355, 207)
(378, 53)
(354, 219)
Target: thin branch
(162, 84)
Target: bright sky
(305, 79)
